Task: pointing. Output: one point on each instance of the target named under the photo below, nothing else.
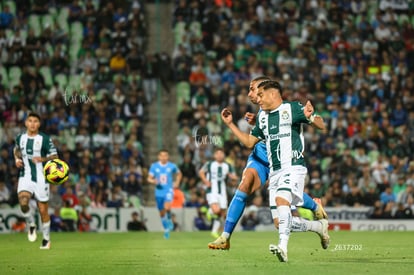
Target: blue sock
(165, 222)
(309, 203)
(235, 211)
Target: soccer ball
(56, 171)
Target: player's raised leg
(28, 214)
(249, 183)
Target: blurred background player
(254, 177)
(215, 174)
(162, 173)
(31, 150)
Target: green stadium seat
(76, 31)
(62, 79)
(15, 73)
(47, 21)
(4, 76)
(74, 80)
(183, 93)
(34, 23)
(47, 75)
(12, 6)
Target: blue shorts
(261, 168)
(161, 200)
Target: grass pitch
(187, 253)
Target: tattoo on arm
(17, 153)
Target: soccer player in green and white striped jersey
(31, 150)
(280, 126)
(215, 174)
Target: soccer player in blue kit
(162, 174)
(254, 177)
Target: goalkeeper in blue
(254, 177)
(166, 176)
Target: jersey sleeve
(256, 131)
(50, 147)
(175, 169)
(297, 113)
(205, 166)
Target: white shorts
(39, 189)
(220, 199)
(290, 179)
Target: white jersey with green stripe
(283, 132)
(40, 145)
(217, 173)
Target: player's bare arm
(17, 157)
(178, 177)
(44, 159)
(202, 175)
(151, 179)
(248, 140)
(316, 121)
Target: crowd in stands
(82, 66)
(353, 59)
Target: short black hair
(261, 78)
(270, 84)
(33, 114)
(163, 151)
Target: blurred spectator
(201, 221)
(178, 199)
(85, 219)
(136, 224)
(4, 195)
(56, 222)
(69, 217)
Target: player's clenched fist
(308, 110)
(226, 116)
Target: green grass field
(187, 253)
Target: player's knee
(24, 200)
(283, 197)
(248, 182)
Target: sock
(29, 217)
(46, 231)
(285, 224)
(309, 203)
(216, 225)
(165, 222)
(302, 225)
(235, 211)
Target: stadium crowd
(353, 59)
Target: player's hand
(250, 118)
(19, 163)
(308, 109)
(226, 116)
(207, 183)
(37, 159)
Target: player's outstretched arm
(247, 139)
